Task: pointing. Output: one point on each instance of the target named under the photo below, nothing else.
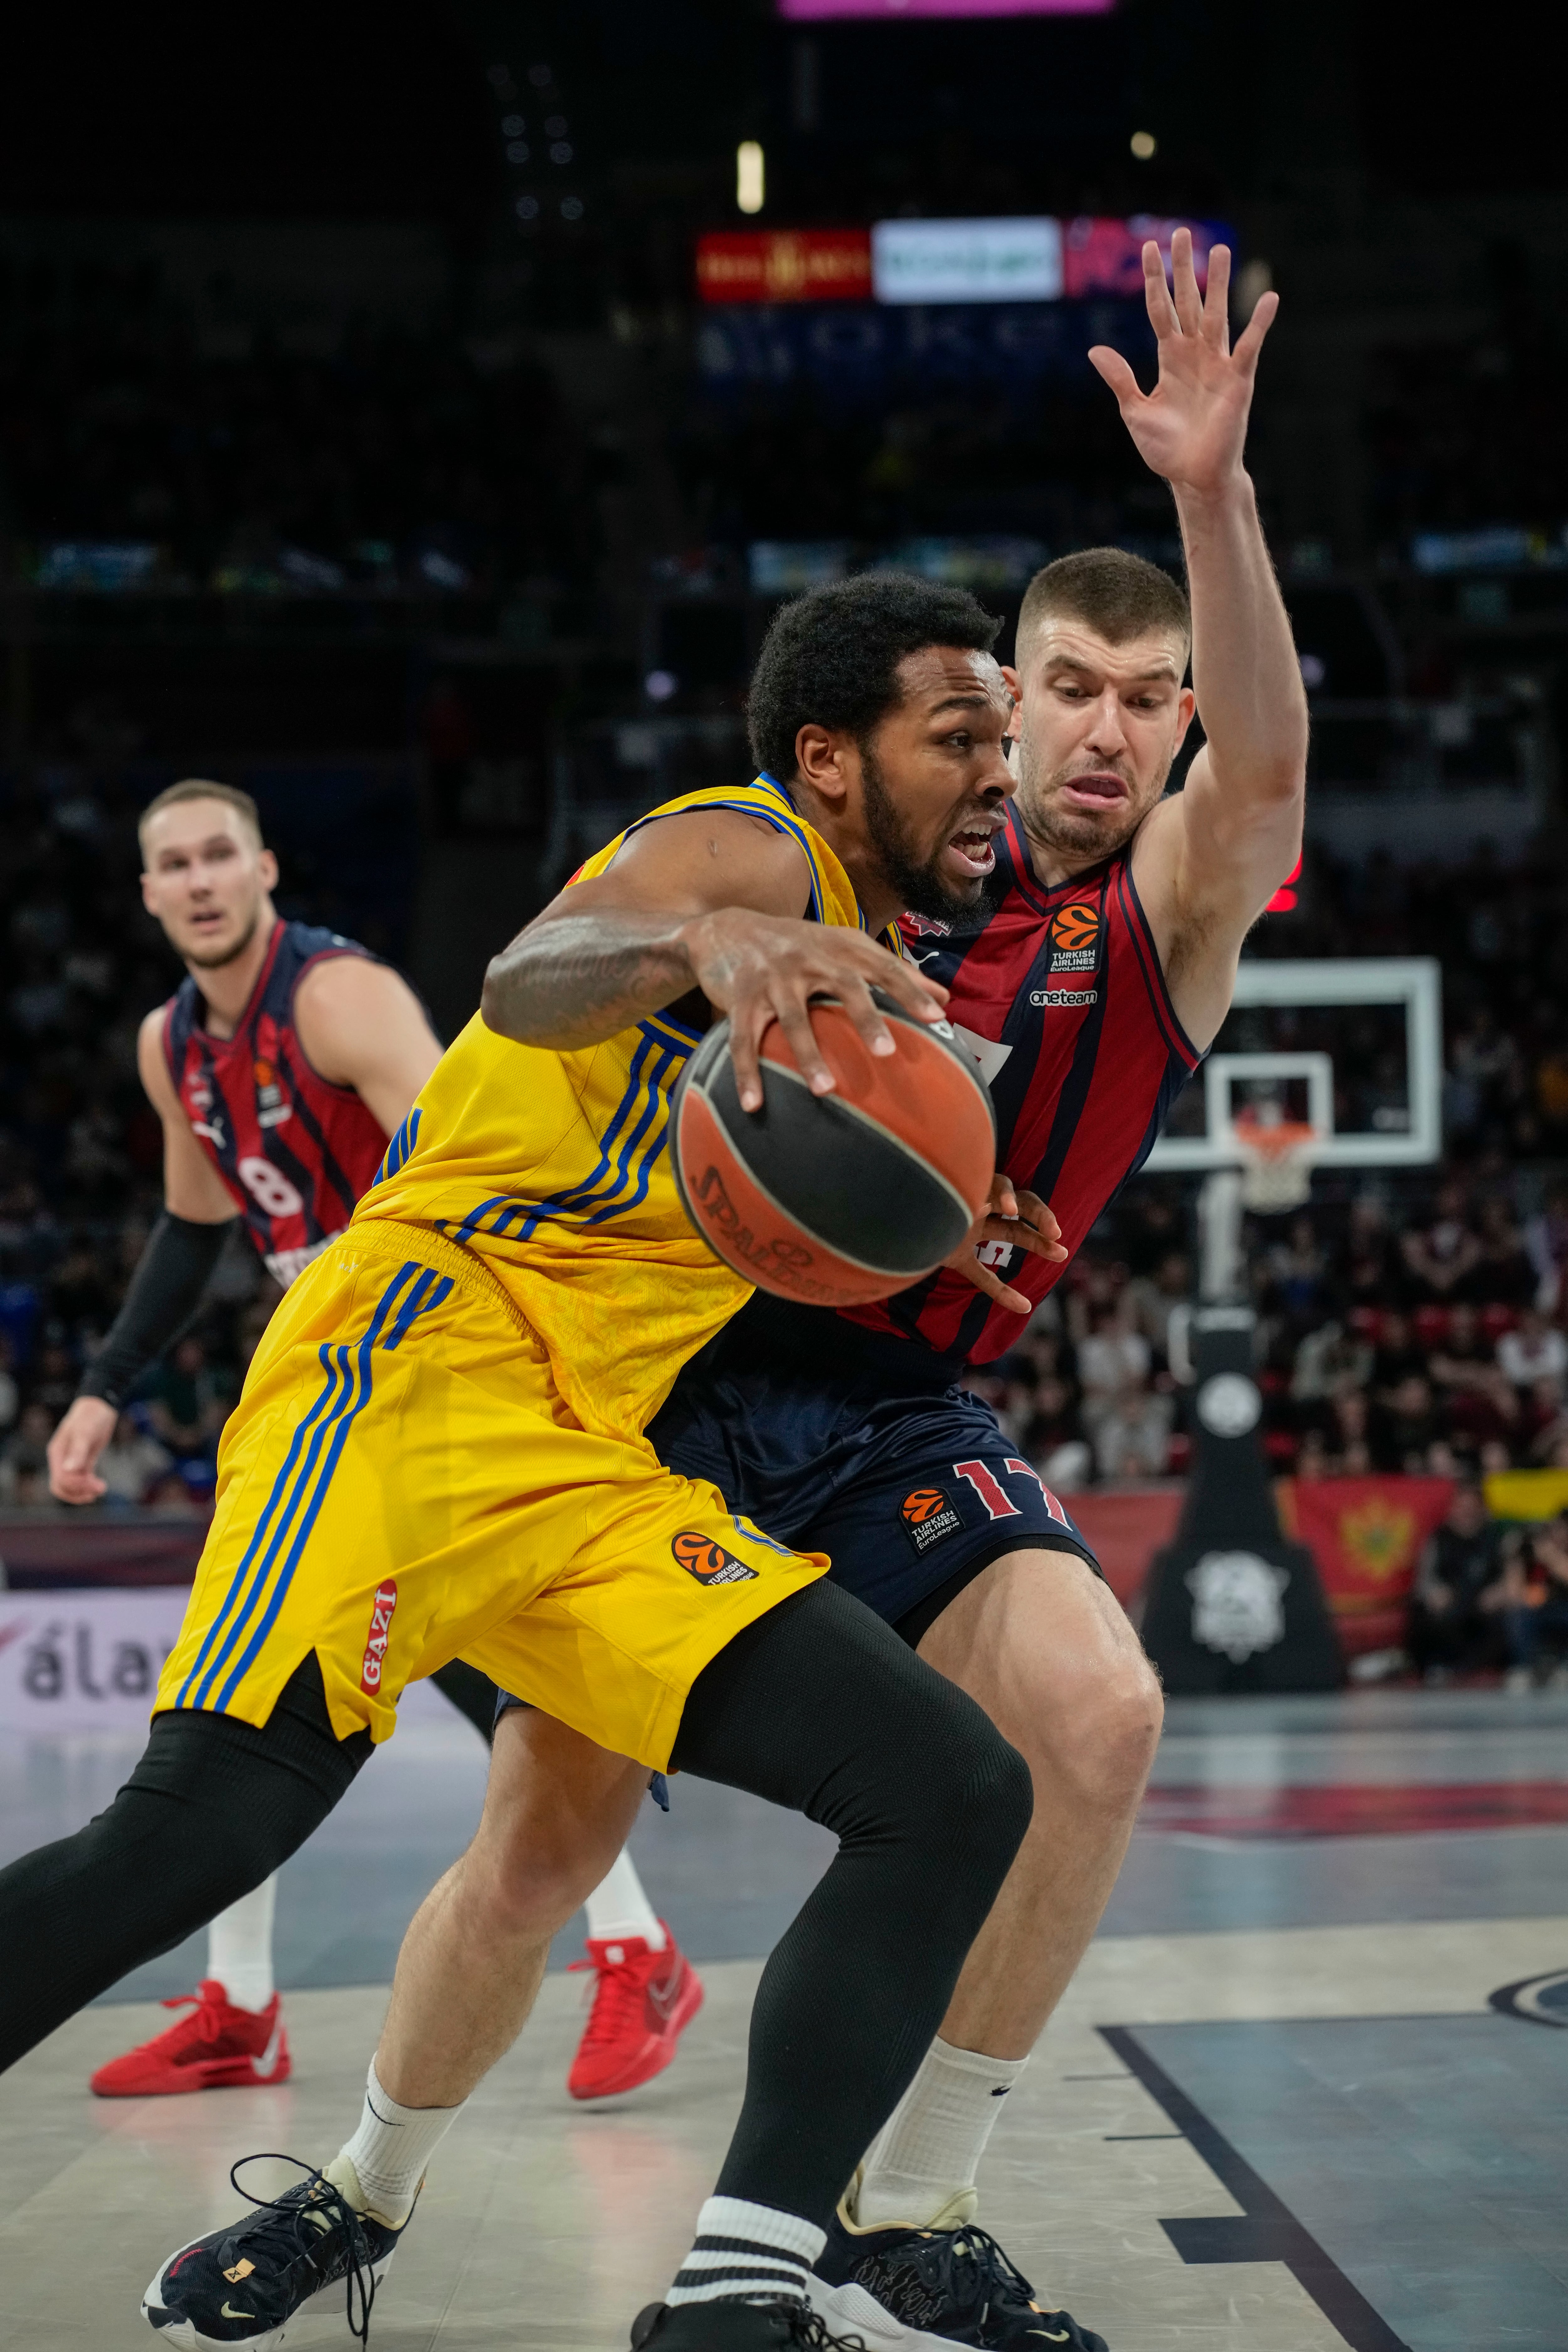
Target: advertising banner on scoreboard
(1023, 259)
(1365, 1535)
(786, 265)
(967, 260)
(1106, 256)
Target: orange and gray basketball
(836, 1198)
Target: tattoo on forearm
(581, 978)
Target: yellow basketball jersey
(551, 1166)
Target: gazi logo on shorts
(385, 1601)
(708, 1561)
(928, 1516)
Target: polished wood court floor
(1307, 2091)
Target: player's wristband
(165, 1291)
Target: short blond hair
(1116, 594)
(199, 788)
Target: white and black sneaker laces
(242, 2286)
(306, 2219)
(812, 2334)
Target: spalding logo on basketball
(835, 1198)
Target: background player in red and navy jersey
(280, 1069)
(1089, 986)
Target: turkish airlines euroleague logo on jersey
(385, 1601)
(928, 1516)
(1075, 949)
(1075, 930)
(708, 1561)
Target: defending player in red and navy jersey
(1088, 985)
(278, 1069)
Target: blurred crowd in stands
(1491, 1596)
(419, 463)
(1397, 1333)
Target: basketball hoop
(1277, 1160)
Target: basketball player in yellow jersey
(439, 1451)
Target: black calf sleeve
(211, 1809)
(819, 1707)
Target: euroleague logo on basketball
(928, 1516)
(1076, 929)
(708, 1561)
(385, 1601)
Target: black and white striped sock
(747, 2254)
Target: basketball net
(1277, 1160)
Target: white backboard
(1302, 995)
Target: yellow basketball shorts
(402, 1484)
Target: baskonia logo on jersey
(927, 1517)
(708, 1561)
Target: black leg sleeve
(212, 1807)
(821, 1707)
(471, 1693)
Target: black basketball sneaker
(736, 2327)
(903, 2290)
(247, 2284)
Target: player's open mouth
(1097, 788)
(974, 851)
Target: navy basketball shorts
(836, 1439)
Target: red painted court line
(1356, 1807)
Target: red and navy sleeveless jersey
(294, 1151)
(1059, 995)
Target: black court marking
(1264, 2231)
(1536, 2000)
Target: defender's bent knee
(1041, 1643)
(1096, 1734)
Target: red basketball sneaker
(215, 2046)
(641, 2003)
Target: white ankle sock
(240, 1948)
(929, 2150)
(390, 2151)
(618, 1906)
(747, 2254)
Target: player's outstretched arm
(714, 900)
(361, 1025)
(1220, 849)
(166, 1290)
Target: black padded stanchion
(1232, 1606)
